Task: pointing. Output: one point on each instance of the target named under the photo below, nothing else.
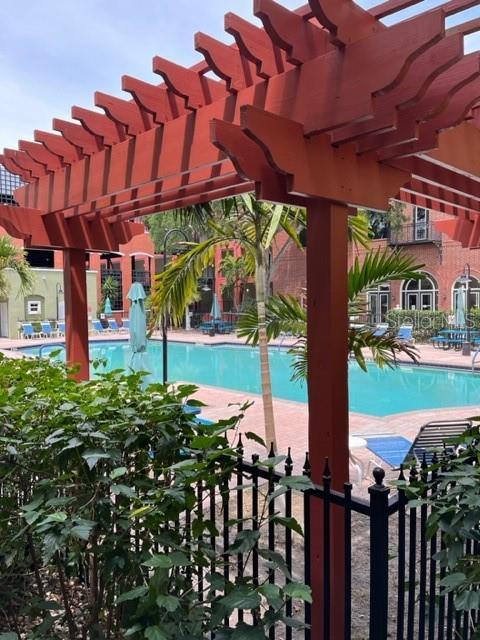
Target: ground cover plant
(103, 527)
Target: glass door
(421, 223)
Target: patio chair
(98, 327)
(47, 329)
(113, 325)
(434, 437)
(27, 331)
(60, 328)
(405, 334)
(381, 329)
(125, 324)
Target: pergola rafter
(325, 107)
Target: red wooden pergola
(324, 107)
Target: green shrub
(96, 483)
(425, 323)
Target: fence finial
(307, 467)
(401, 475)
(379, 475)
(289, 462)
(271, 453)
(326, 471)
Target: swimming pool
(379, 392)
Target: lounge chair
(60, 328)
(98, 327)
(113, 325)
(125, 324)
(405, 334)
(380, 330)
(434, 437)
(27, 331)
(47, 330)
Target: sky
(57, 53)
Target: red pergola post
(76, 310)
(327, 317)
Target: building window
(113, 278)
(473, 292)
(420, 295)
(378, 303)
(40, 258)
(34, 307)
(421, 217)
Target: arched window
(420, 295)
(473, 291)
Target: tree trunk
(270, 436)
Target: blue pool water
(379, 392)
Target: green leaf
(134, 594)
(133, 630)
(273, 595)
(271, 462)
(298, 483)
(123, 490)
(453, 580)
(298, 590)
(251, 435)
(244, 541)
(9, 635)
(154, 633)
(170, 603)
(92, 456)
(246, 632)
(159, 562)
(289, 523)
(241, 597)
(117, 473)
(83, 530)
(467, 601)
(276, 560)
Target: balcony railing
(414, 234)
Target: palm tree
(13, 257)
(236, 272)
(286, 314)
(253, 225)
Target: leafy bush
(425, 323)
(102, 523)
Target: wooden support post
(327, 330)
(76, 310)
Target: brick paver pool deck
(291, 417)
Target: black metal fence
(414, 233)
(392, 579)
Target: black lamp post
(467, 347)
(169, 233)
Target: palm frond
(177, 286)
(383, 349)
(379, 267)
(284, 314)
(359, 232)
(300, 360)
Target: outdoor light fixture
(206, 288)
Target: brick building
(446, 264)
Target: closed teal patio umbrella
(138, 327)
(461, 304)
(107, 309)
(215, 311)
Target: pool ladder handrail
(50, 344)
(475, 354)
